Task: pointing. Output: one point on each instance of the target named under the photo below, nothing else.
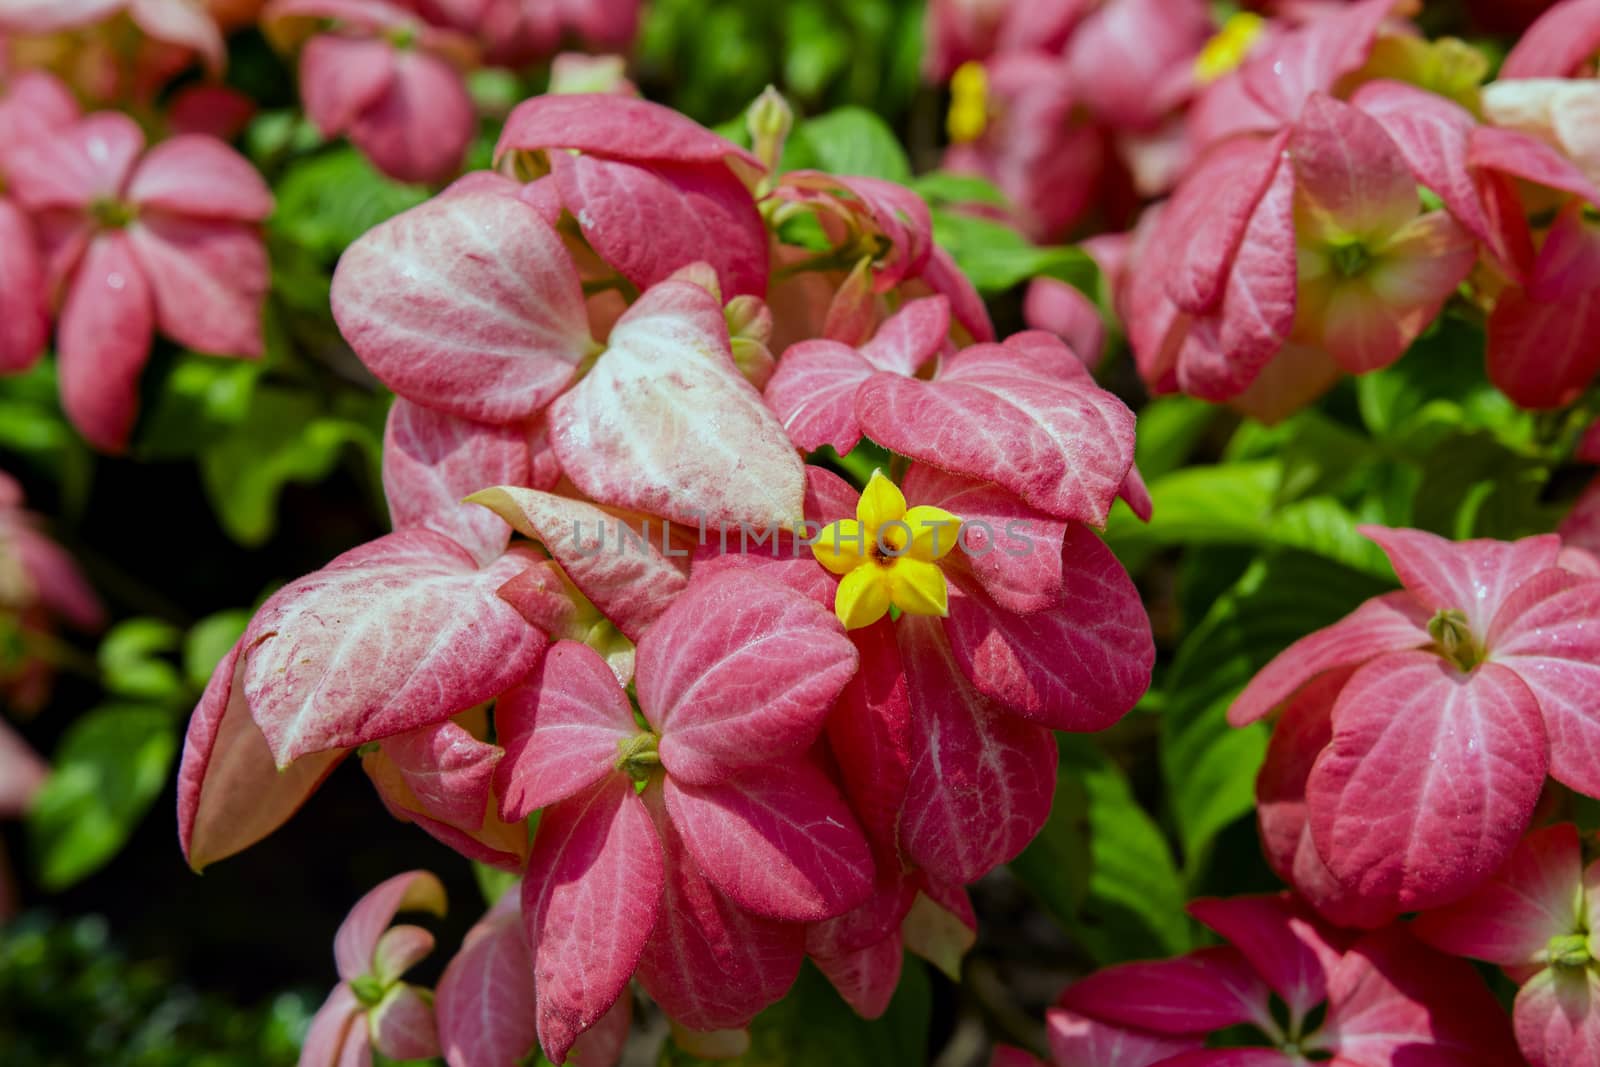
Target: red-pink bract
(468, 304)
(999, 413)
(1467, 688)
(980, 780)
(313, 686)
(231, 793)
(185, 257)
(592, 894)
(665, 424)
(560, 730)
(739, 673)
(431, 460)
(1388, 999)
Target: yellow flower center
(1229, 47)
(887, 556)
(969, 103)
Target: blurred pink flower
(384, 77)
(34, 106)
(137, 241)
(184, 23)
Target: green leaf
(493, 882)
(1223, 504)
(132, 663)
(1320, 456)
(854, 141)
(1133, 904)
(1170, 427)
(193, 400)
(1056, 864)
(1323, 526)
(1473, 486)
(283, 439)
(816, 53)
(948, 187)
(208, 641)
(110, 767)
(1209, 767)
(272, 135)
(1233, 504)
(1440, 383)
(812, 1025)
(32, 425)
(328, 200)
(997, 258)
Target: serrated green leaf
(852, 140)
(1133, 904)
(132, 662)
(109, 768)
(1209, 767)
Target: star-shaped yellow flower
(888, 556)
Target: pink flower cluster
(1481, 669)
(1295, 247)
(1408, 772)
(112, 243)
(390, 74)
(1303, 991)
(1336, 181)
(764, 714)
(1072, 108)
(120, 51)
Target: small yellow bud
(769, 120)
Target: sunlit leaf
(109, 768)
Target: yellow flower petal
(881, 501)
(933, 532)
(863, 597)
(842, 547)
(969, 103)
(1225, 52)
(918, 588)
